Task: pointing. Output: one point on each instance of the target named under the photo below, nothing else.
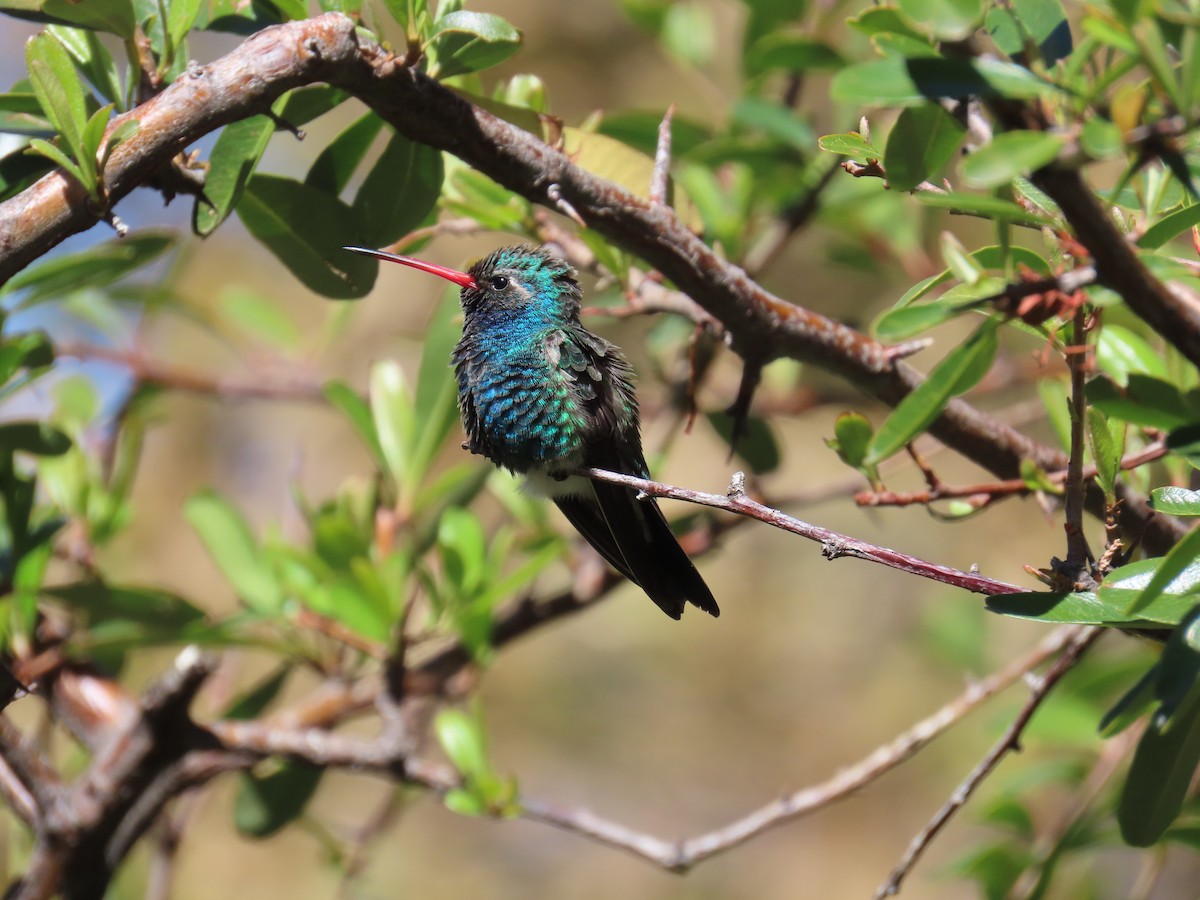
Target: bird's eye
(499, 282)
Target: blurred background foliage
(198, 447)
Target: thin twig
(1081, 638)
(1078, 554)
(27, 779)
(1150, 453)
(177, 378)
(834, 545)
(321, 748)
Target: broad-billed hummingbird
(541, 395)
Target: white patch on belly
(539, 484)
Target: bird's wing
(631, 534)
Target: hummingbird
(542, 396)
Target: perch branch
(833, 544)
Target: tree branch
(1081, 638)
(833, 544)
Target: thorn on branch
(737, 485)
(117, 225)
(174, 691)
(660, 178)
(908, 348)
(554, 195)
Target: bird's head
(520, 278)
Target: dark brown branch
(26, 780)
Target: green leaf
(897, 81)
(462, 740)
(923, 140)
(1165, 604)
(774, 120)
(355, 408)
(960, 263)
(228, 540)
(993, 207)
(252, 703)
(114, 16)
(1179, 667)
(884, 20)
(1185, 441)
(1136, 701)
(902, 323)
(1107, 441)
(1036, 479)
(93, 59)
(435, 401)
(237, 151)
(1121, 352)
(93, 136)
(1009, 155)
(615, 161)
(97, 267)
(1040, 23)
(399, 191)
(240, 145)
(1175, 501)
(852, 434)
(470, 41)
(19, 170)
(99, 602)
(267, 803)
(57, 86)
(961, 370)
(688, 33)
(946, 19)
(307, 229)
(68, 165)
(1102, 139)
(259, 316)
(181, 16)
(394, 418)
(791, 53)
(850, 144)
(1053, 394)
(464, 550)
(38, 438)
(32, 350)
(1085, 608)
(640, 131)
(1148, 402)
(757, 446)
(1170, 226)
(1176, 573)
(333, 168)
(1167, 754)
